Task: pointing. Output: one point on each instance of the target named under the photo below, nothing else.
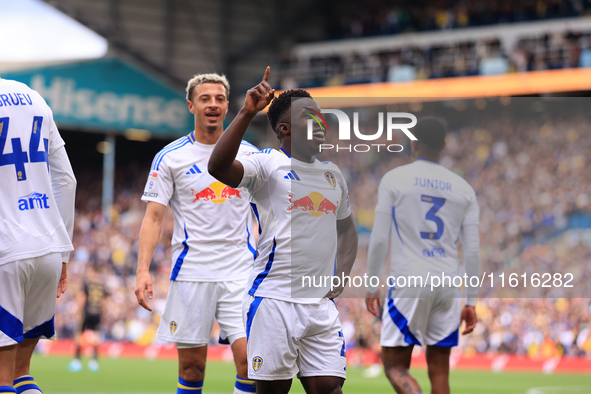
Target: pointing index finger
(266, 76)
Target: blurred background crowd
(532, 183)
(353, 19)
(393, 52)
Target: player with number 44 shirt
(37, 188)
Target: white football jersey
(429, 205)
(30, 222)
(211, 240)
(297, 205)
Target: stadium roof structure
(110, 95)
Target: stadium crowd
(530, 177)
(472, 57)
(381, 17)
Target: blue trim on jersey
(11, 325)
(396, 224)
(286, 154)
(169, 146)
(46, 330)
(430, 161)
(7, 389)
(451, 340)
(250, 247)
(260, 277)
(165, 151)
(246, 143)
(256, 213)
(192, 137)
(252, 310)
(181, 258)
(401, 323)
(267, 150)
(343, 348)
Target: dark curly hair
(282, 104)
(431, 131)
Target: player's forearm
(347, 240)
(149, 237)
(63, 184)
(378, 246)
(471, 247)
(222, 164)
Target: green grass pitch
(133, 376)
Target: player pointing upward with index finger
(290, 329)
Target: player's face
(300, 110)
(209, 105)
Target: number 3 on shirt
(18, 157)
(437, 204)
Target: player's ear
(191, 107)
(284, 129)
(414, 146)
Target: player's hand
(143, 284)
(63, 283)
(335, 292)
(469, 317)
(260, 96)
(373, 303)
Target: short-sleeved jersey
(212, 238)
(30, 222)
(297, 205)
(429, 205)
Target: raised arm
(223, 164)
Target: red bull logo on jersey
(217, 193)
(314, 203)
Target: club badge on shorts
(257, 363)
(330, 178)
(173, 327)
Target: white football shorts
(192, 306)
(286, 339)
(28, 291)
(424, 318)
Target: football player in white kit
(426, 208)
(37, 190)
(305, 221)
(212, 252)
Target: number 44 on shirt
(18, 157)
